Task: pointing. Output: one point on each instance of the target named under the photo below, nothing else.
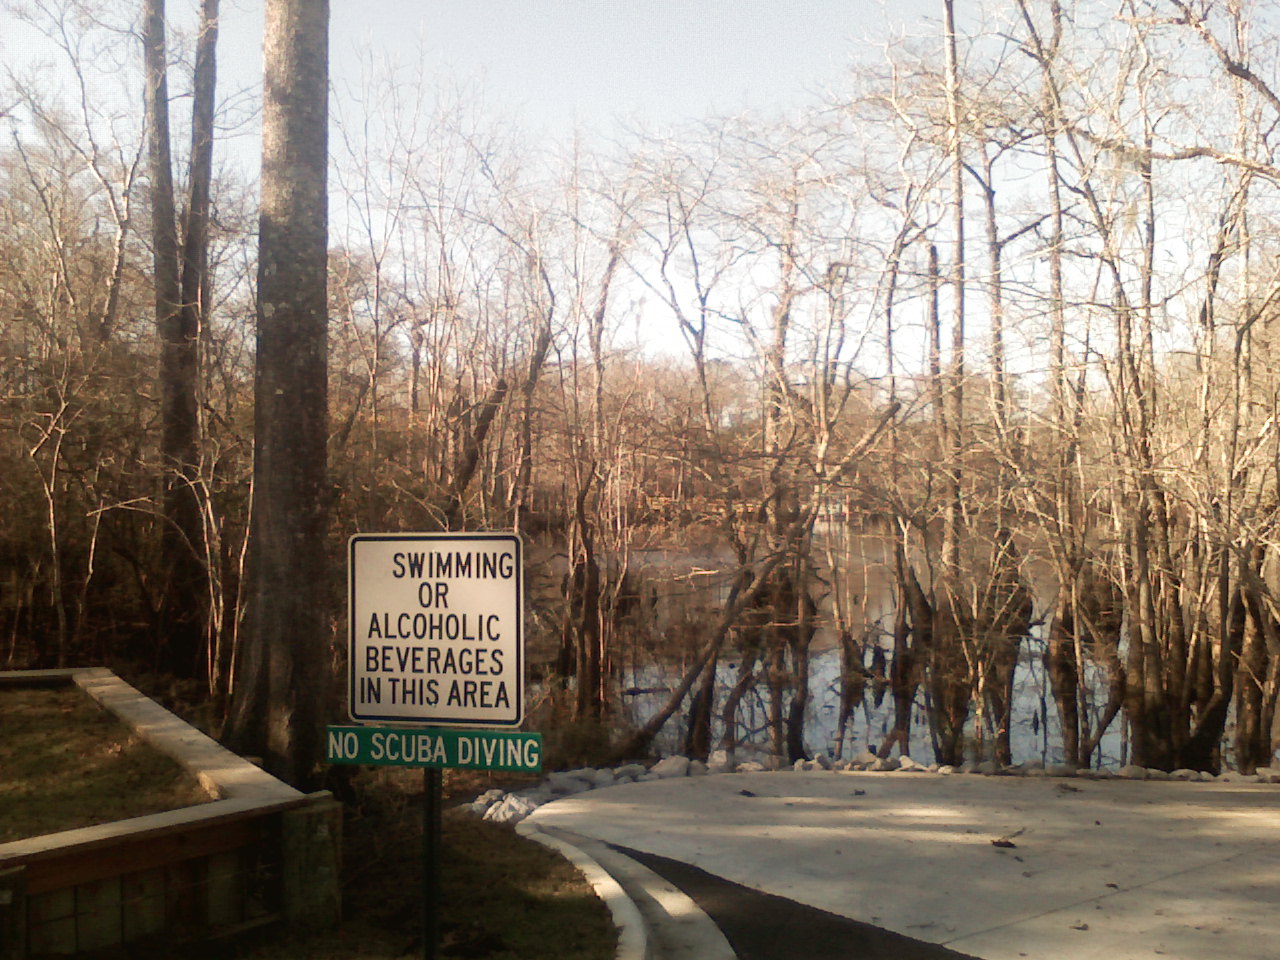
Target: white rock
(697, 768)
(1131, 771)
(824, 762)
(908, 765)
(885, 763)
(866, 756)
(946, 769)
(1154, 774)
(669, 767)
(750, 766)
(629, 770)
(511, 809)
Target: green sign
(435, 747)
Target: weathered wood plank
(184, 906)
(223, 877)
(143, 904)
(13, 914)
(311, 843)
(99, 920)
(145, 852)
(51, 922)
(220, 812)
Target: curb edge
(633, 938)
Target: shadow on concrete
(761, 926)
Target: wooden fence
(258, 852)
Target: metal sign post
(436, 630)
(435, 750)
(432, 808)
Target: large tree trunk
(283, 691)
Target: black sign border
(509, 536)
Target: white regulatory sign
(436, 628)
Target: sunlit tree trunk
(283, 687)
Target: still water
(860, 569)
(1034, 733)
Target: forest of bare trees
(965, 371)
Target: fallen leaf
(1007, 840)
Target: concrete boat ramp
(992, 867)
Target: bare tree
(181, 293)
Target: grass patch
(66, 763)
(513, 898)
(503, 898)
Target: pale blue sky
(561, 62)
(557, 64)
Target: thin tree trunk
(183, 600)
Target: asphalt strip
(760, 926)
